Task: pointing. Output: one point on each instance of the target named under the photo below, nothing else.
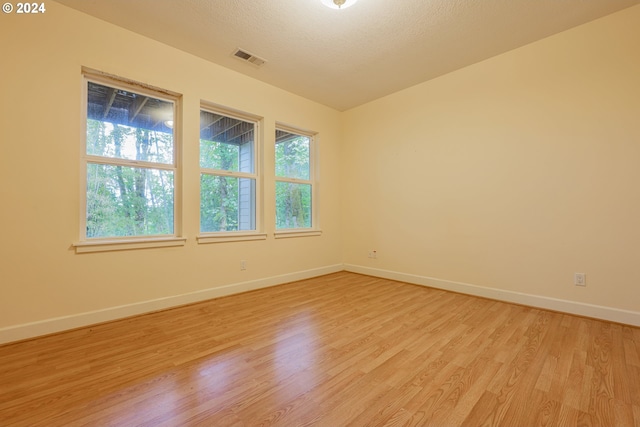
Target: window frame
(313, 181)
(114, 243)
(234, 235)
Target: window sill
(230, 237)
(286, 234)
(125, 245)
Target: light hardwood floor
(338, 350)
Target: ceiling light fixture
(338, 4)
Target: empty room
(320, 213)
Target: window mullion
(294, 180)
(220, 172)
(128, 163)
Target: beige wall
(510, 174)
(42, 277)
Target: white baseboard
(588, 310)
(58, 324)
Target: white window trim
(230, 236)
(313, 180)
(127, 244)
(289, 233)
(205, 237)
(88, 245)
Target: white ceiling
(344, 58)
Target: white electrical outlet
(579, 279)
(243, 265)
(373, 254)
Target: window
(129, 160)
(228, 172)
(294, 180)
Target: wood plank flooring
(338, 350)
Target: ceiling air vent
(245, 56)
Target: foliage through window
(294, 180)
(130, 162)
(227, 173)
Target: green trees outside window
(130, 164)
(293, 180)
(227, 173)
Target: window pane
(128, 125)
(293, 205)
(127, 201)
(226, 203)
(292, 155)
(217, 155)
(226, 143)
